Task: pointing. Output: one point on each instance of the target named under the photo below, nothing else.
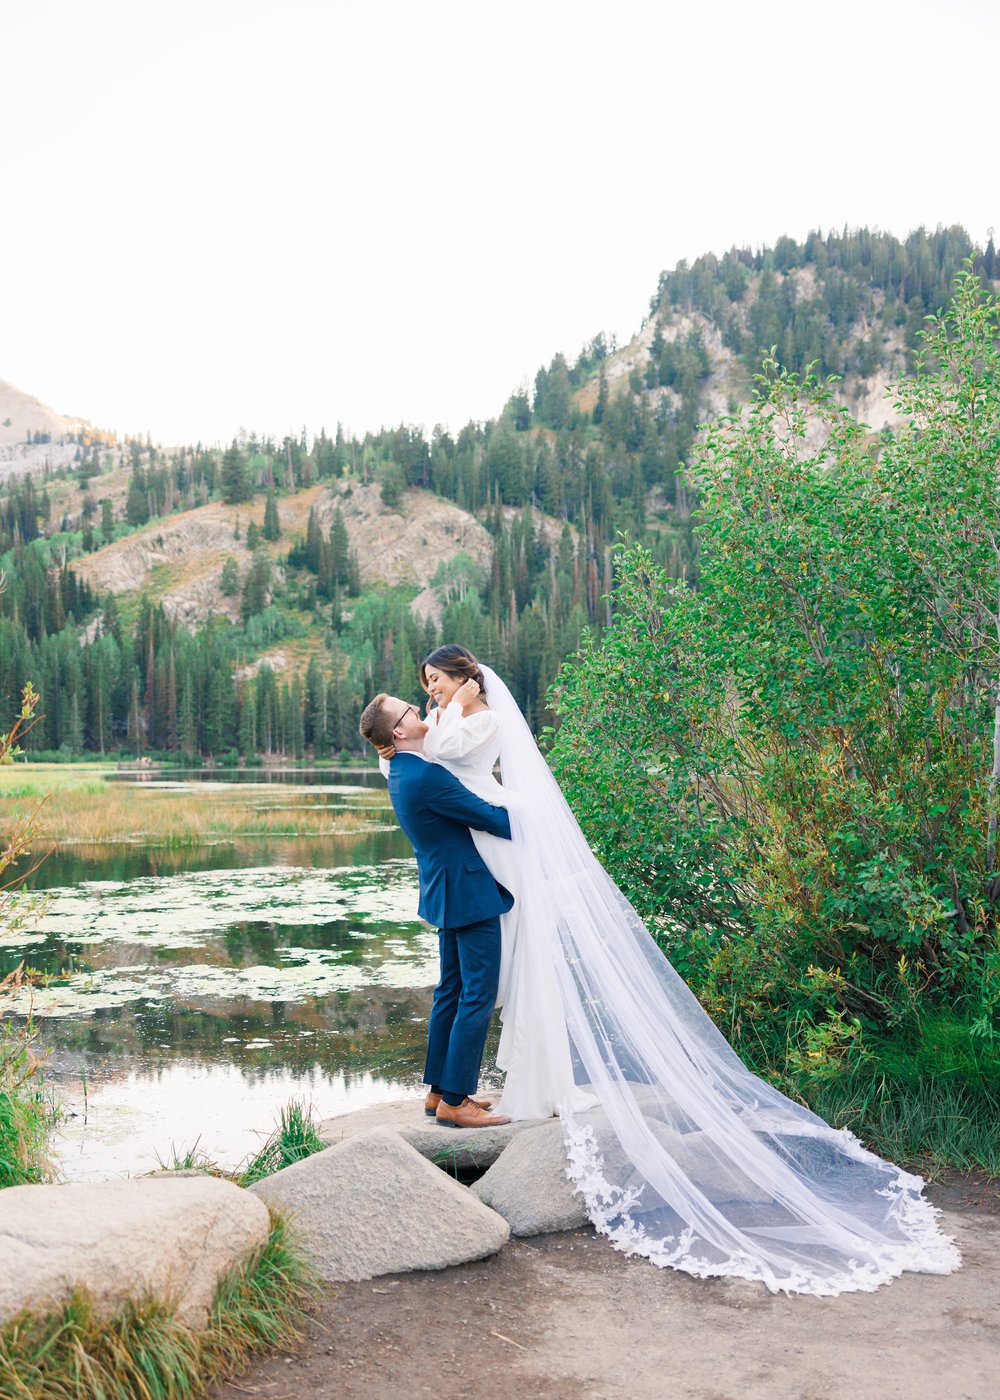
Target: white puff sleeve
(460, 738)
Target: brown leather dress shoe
(468, 1114)
(432, 1100)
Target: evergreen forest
(597, 448)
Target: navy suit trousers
(464, 999)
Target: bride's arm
(461, 738)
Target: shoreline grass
(293, 1139)
(142, 1351)
(930, 1126)
(88, 812)
(25, 1116)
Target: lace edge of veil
(610, 1209)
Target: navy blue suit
(460, 896)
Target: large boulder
(529, 1187)
(455, 1149)
(374, 1205)
(173, 1239)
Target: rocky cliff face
(180, 559)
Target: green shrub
(793, 770)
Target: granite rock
(374, 1205)
(174, 1239)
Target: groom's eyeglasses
(403, 716)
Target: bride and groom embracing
(679, 1152)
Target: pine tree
(229, 582)
(314, 541)
(248, 721)
(316, 710)
(296, 735)
(256, 586)
(137, 500)
(234, 477)
(187, 737)
(340, 548)
(272, 525)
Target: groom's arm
(448, 797)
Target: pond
(187, 993)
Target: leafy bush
(793, 772)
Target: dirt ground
(564, 1316)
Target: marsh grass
(294, 1138)
(262, 1307)
(89, 812)
(25, 1115)
(142, 1352)
(194, 1158)
(927, 1097)
(928, 1124)
(75, 1354)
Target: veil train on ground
(683, 1155)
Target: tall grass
(294, 1138)
(928, 1100)
(97, 813)
(25, 1116)
(142, 1352)
(262, 1307)
(928, 1127)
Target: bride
(680, 1153)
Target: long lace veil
(686, 1157)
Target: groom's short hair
(376, 726)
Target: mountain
(250, 601)
(33, 436)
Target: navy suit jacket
(435, 811)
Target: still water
(189, 994)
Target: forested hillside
(246, 602)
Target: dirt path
(563, 1316)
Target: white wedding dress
(681, 1154)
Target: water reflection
(191, 992)
(363, 775)
(109, 1131)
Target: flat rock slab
(374, 1205)
(173, 1239)
(463, 1149)
(529, 1187)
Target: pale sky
(274, 213)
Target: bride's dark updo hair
(454, 661)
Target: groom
(458, 895)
